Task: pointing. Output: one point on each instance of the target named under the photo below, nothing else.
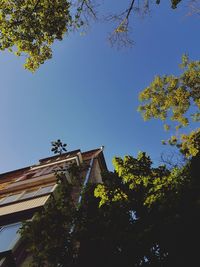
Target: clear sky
(87, 94)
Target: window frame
(19, 196)
(14, 239)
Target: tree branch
(36, 4)
(129, 10)
(88, 5)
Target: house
(27, 190)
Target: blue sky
(87, 94)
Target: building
(27, 190)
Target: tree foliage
(30, 27)
(48, 234)
(176, 98)
(163, 211)
(58, 147)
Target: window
(38, 192)
(9, 199)
(9, 236)
(1, 199)
(44, 190)
(27, 194)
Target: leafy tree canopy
(163, 211)
(176, 99)
(48, 234)
(30, 27)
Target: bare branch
(172, 159)
(130, 9)
(84, 11)
(194, 7)
(90, 8)
(87, 7)
(120, 37)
